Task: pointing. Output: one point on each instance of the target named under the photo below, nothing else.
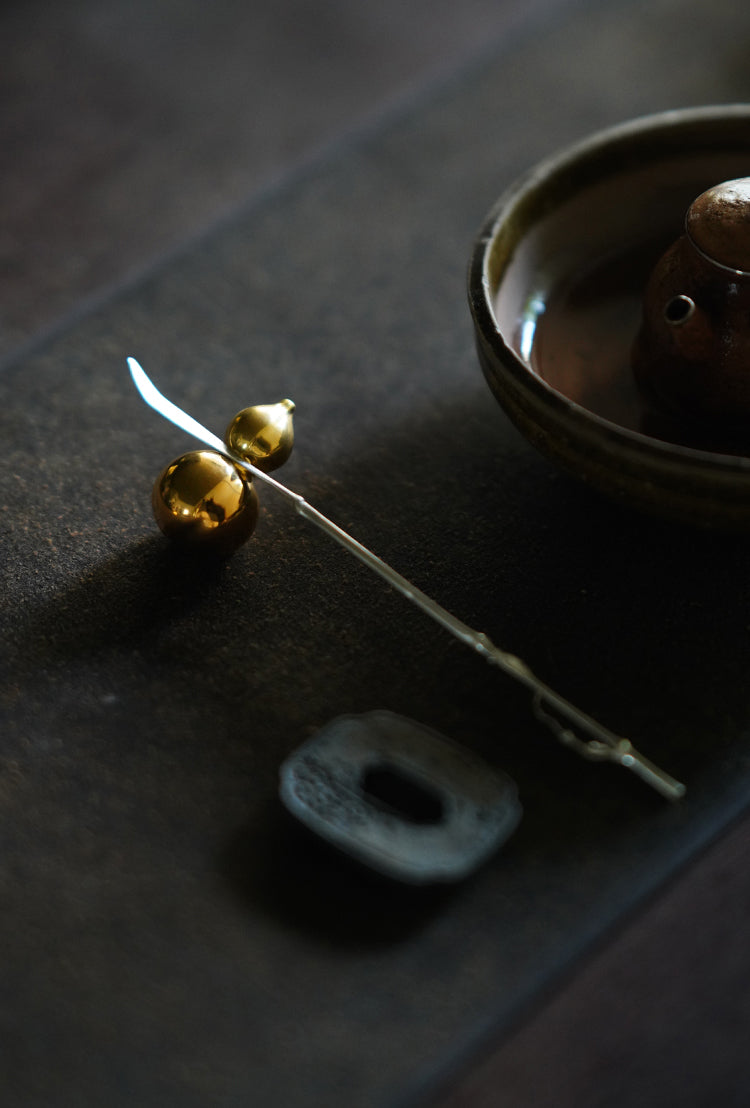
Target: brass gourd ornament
(262, 435)
(203, 502)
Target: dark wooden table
(261, 199)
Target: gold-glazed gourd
(204, 503)
(262, 435)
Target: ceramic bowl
(555, 287)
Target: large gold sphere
(262, 435)
(204, 503)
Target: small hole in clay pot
(679, 309)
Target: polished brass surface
(203, 502)
(263, 434)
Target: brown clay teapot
(692, 353)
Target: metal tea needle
(548, 706)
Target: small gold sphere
(262, 435)
(204, 503)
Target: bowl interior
(557, 282)
(568, 299)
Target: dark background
(262, 200)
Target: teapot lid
(718, 224)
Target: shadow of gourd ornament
(204, 502)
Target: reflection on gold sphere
(262, 435)
(203, 502)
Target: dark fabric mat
(658, 1017)
(127, 125)
(169, 937)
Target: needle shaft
(600, 745)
